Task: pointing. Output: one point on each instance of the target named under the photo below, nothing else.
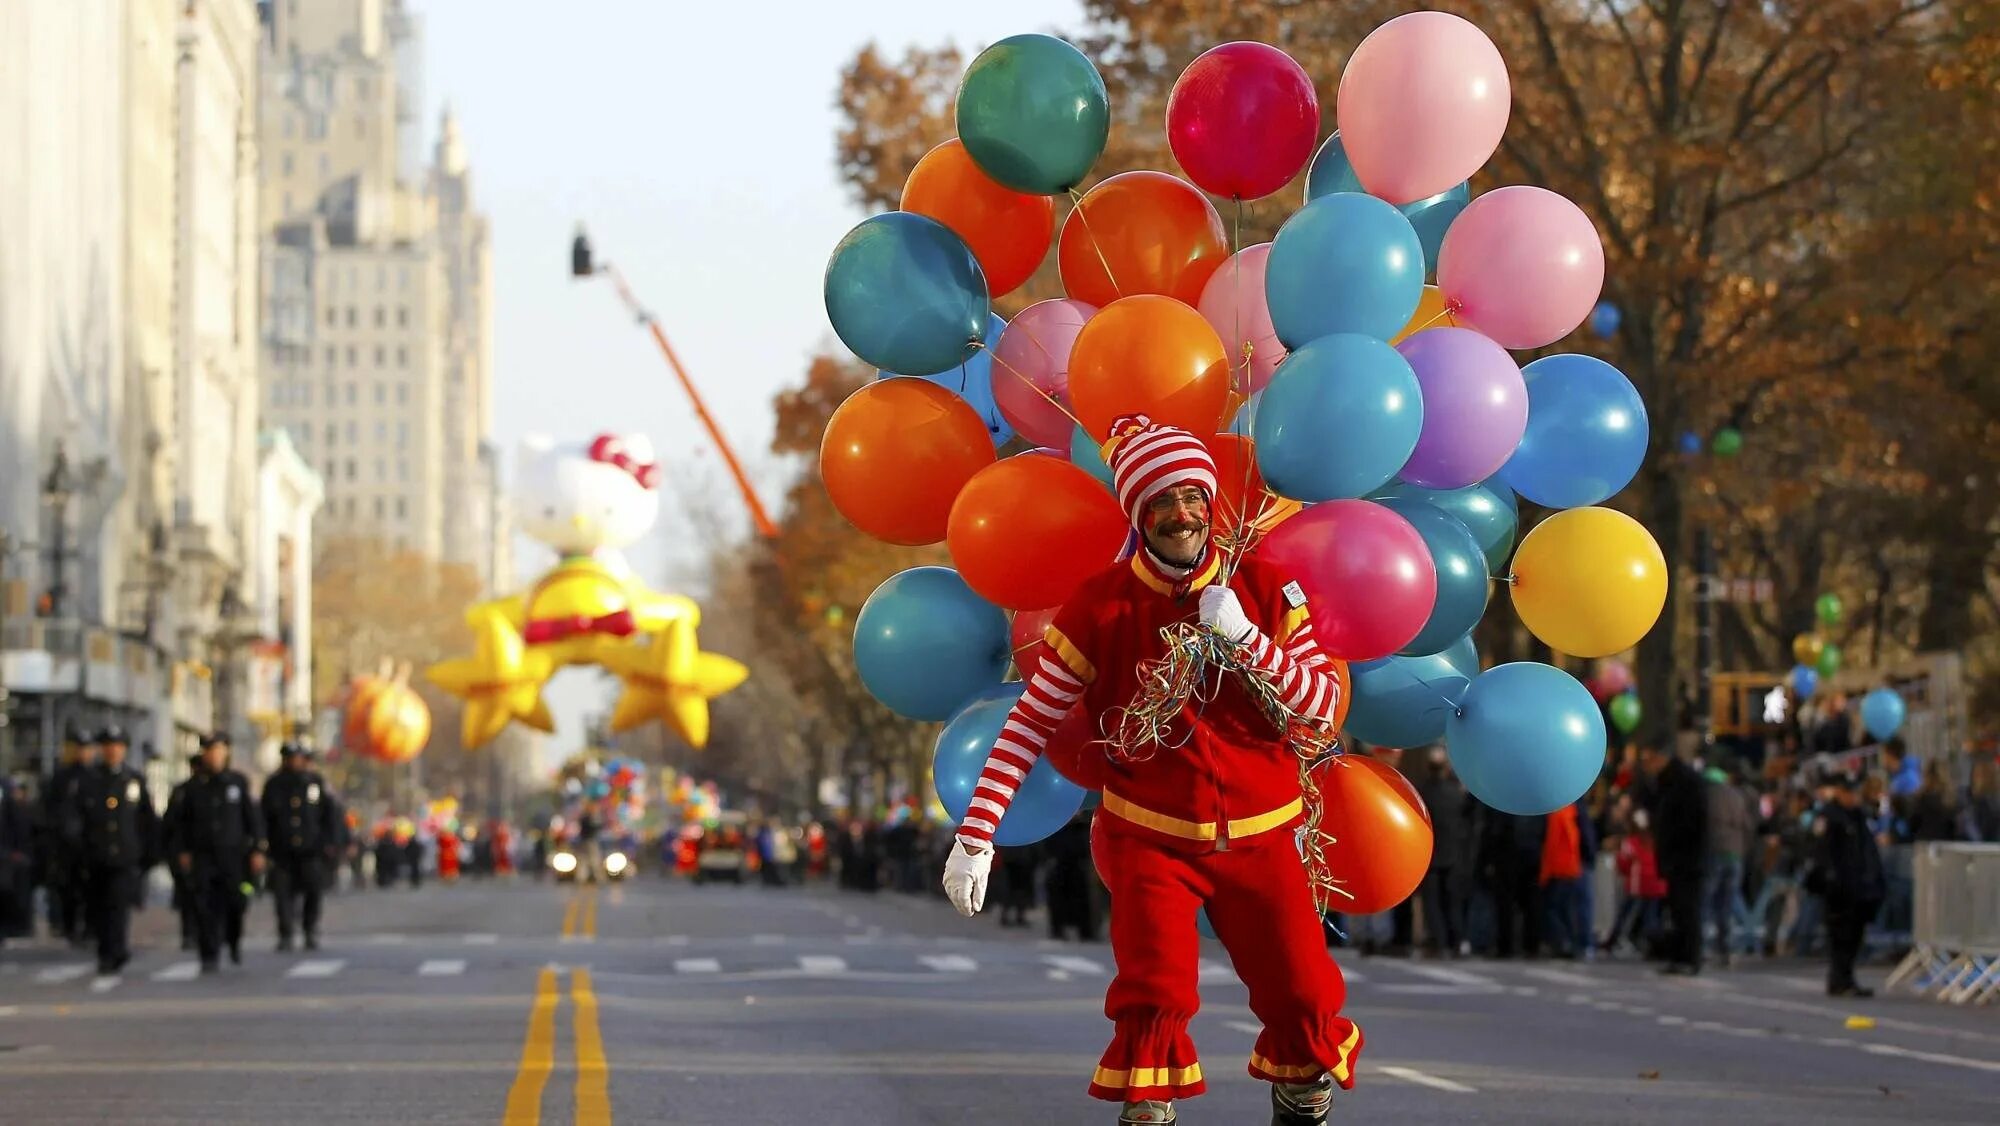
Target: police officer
(116, 834)
(183, 904)
(302, 822)
(214, 838)
(1847, 873)
(62, 865)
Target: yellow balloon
(1589, 582)
(1806, 648)
(1429, 314)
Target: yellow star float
(588, 609)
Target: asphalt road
(659, 1002)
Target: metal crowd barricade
(1956, 924)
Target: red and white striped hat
(1147, 459)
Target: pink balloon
(1366, 570)
(1522, 265)
(1422, 105)
(1031, 366)
(1233, 304)
(1612, 678)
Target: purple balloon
(1475, 407)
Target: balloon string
(1083, 215)
(1032, 385)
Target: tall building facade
(377, 315)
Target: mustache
(1168, 528)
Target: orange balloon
(1154, 232)
(1430, 314)
(1008, 232)
(1381, 844)
(1240, 493)
(1149, 355)
(1396, 782)
(896, 454)
(1025, 532)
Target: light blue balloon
(1431, 216)
(1526, 739)
(1805, 681)
(1882, 712)
(905, 295)
(1462, 582)
(1488, 508)
(1404, 701)
(924, 643)
(1345, 263)
(973, 382)
(1586, 437)
(1086, 454)
(1045, 800)
(1339, 418)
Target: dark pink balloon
(1242, 120)
(1031, 368)
(1366, 570)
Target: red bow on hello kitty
(610, 449)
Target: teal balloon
(1462, 582)
(1033, 114)
(1587, 433)
(1882, 712)
(1431, 216)
(1339, 417)
(1526, 739)
(1488, 508)
(1345, 263)
(973, 382)
(1087, 455)
(1247, 414)
(905, 295)
(1404, 701)
(924, 643)
(1045, 800)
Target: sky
(696, 144)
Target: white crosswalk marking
(697, 966)
(1070, 963)
(1455, 977)
(1559, 977)
(105, 984)
(179, 971)
(822, 964)
(950, 963)
(1412, 1075)
(441, 967)
(317, 967)
(1216, 971)
(482, 939)
(56, 975)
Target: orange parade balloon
(1008, 232)
(1026, 532)
(1153, 232)
(1396, 781)
(1381, 844)
(896, 454)
(1240, 494)
(362, 693)
(1149, 355)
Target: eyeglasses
(1191, 498)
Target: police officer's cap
(287, 750)
(111, 734)
(77, 733)
(215, 739)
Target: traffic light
(580, 265)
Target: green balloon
(1828, 608)
(1625, 712)
(1728, 442)
(1829, 660)
(1033, 114)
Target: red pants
(1261, 907)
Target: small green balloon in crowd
(1728, 442)
(1033, 114)
(835, 615)
(1829, 660)
(1828, 609)
(1625, 713)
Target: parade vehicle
(571, 863)
(723, 854)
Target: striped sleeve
(1306, 678)
(1052, 691)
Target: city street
(662, 1002)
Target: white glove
(965, 877)
(1221, 612)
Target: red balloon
(1075, 752)
(1026, 634)
(1025, 532)
(1381, 844)
(1395, 780)
(1242, 120)
(1366, 570)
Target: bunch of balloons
(1816, 656)
(1353, 377)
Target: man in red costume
(1204, 817)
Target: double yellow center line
(538, 1052)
